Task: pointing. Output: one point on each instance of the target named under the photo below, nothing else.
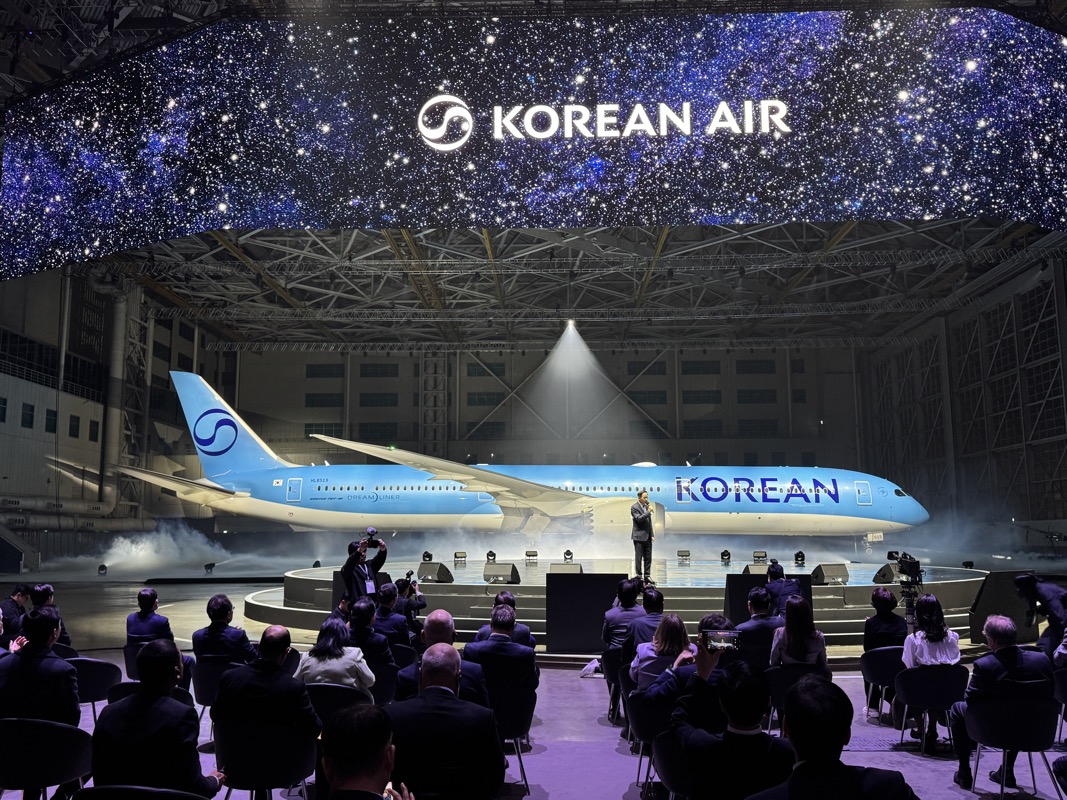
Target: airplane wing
(506, 491)
(193, 491)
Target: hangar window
(324, 428)
(648, 397)
(372, 370)
(485, 430)
(800, 396)
(324, 370)
(756, 396)
(701, 428)
(653, 368)
(476, 370)
(700, 368)
(74, 426)
(757, 427)
(3, 409)
(378, 432)
(51, 420)
(485, 398)
(324, 400)
(755, 366)
(701, 396)
(27, 415)
(378, 399)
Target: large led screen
(543, 123)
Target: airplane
(415, 492)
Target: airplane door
(863, 493)
(292, 490)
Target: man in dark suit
(149, 738)
(780, 588)
(35, 683)
(521, 634)
(409, 602)
(499, 652)
(464, 758)
(361, 634)
(43, 594)
(393, 626)
(1006, 663)
(359, 575)
(220, 638)
(674, 682)
(440, 628)
(642, 536)
(624, 611)
(12, 608)
(818, 723)
(358, 755)
(754, 759)
(643, 628)
(263, 692)
(145, 625)
(758, 630)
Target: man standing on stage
(642, 536)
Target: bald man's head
(440, 667)
(439, 628)
(274, 643)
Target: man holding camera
(360, 576)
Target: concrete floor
(576, 752)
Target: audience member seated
(409, 603)
(642, 629)
(446, 747)
(358, 755)
(674, 682)
(11, 610)
(343, 611)
(818, 723)
(220, 638)
(752, 759)
(440, 628)
(1007, 662)
(518, 660)
(797, 642)
(669, 642)
(757, 632)
(145, 625)
(333, 660)
(1049, 599)
(780, 588)
(932, 643)
(393, 626)
(44, 595)
(361, 634)
(521, 634)
(14, 645)
(263, 692)
(884, 629)
(149, 738)
(35, 683)
(623, 611)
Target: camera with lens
(717, 641)
(371, 538)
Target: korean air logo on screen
(215, 432)
(445, 122)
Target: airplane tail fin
(223, 441)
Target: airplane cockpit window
(900, 492)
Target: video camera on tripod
(910, 576)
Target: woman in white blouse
(932, 643)
(332, 660)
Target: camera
(372, 541)
(714, 640)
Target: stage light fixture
(798, 558)
(427, 555)
(759, 556)
(968, 565)
(568, 557)
(892, 555)
(459, 557)
(317, 564)
(102, 569)
(209, 567)
(683, 556)
(531, 555)
(490, 557)
(725, 556)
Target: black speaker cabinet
(566, 569)
(890, 573)
(826, 574)
(434, 572)
(500, 573)
(755, 569)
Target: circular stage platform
(692, 588)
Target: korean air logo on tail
(445, 122)
(215, 432)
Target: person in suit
(674, 682)
(521, 634)
(1048, 599)
(358, 755)
(1007, 662)
(885, 628)
(409, 603)
(391, 625)
(642, 629)
(149, 738)
(361, 634)
(756, 760)
(220, 638)
(466, 759)
(499, 652)
(623, 611)
(359, 575)
(757, 632)
(779, 587)
(263, 692)
(440, 628)
(43, 594)
(343, 611)
(642, 536)
(35, 683)
(145, 625)
(11, 610)
(818, 723)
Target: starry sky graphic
(892, 115)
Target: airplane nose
(920, 515)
